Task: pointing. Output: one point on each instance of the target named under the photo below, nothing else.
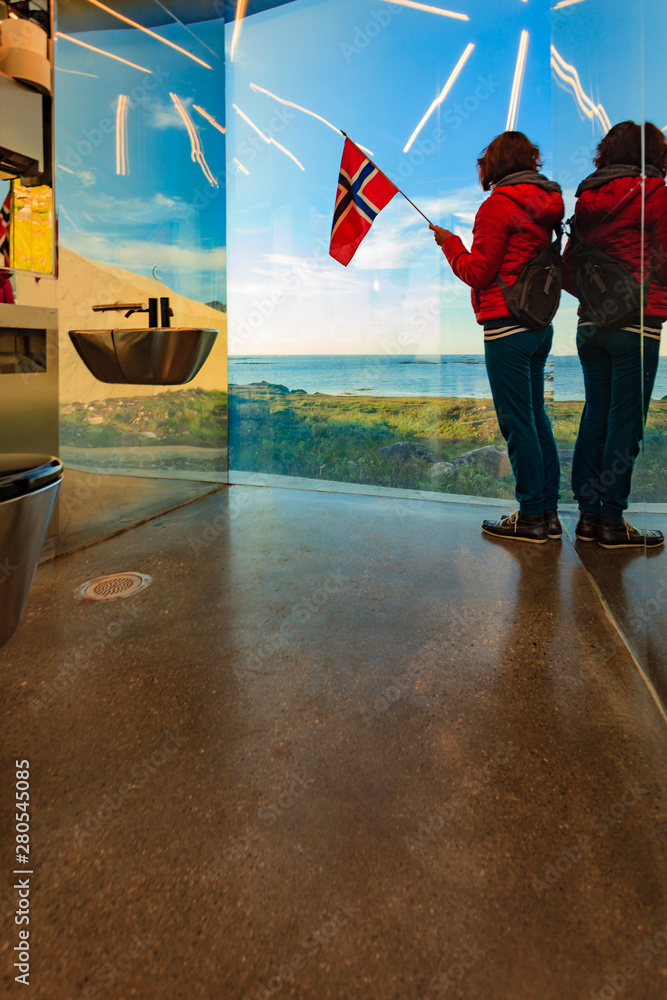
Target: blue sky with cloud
(163, 212)
(372, 68)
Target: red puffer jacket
(609, 213)
(511, 227)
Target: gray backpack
(533, 298)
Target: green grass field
(339, 438)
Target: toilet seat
(21, 474)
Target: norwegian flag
(5, 216)
(6, 290)
(363, 191)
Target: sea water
(462, 375)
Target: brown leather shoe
(518, 527)
(587, 526)
(554, 527)
(622, 535)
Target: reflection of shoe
(519, 527)
(587, 526)
(554, 527)
(622, 535)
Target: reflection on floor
(342, 747)
(635, 588)
(94, 506)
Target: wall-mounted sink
(167, 355)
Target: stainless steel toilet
(29, 487)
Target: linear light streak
(197, 155)
(61, 211)
(121, 134)
(66, 169)
(68, 38)
(268, 139)
(445, 90)
(518, 82)
(429, 9)
(569, 75)
(147, 31)
(287, 153)
(240, 166)
(240, 14)
(565, 3)
(78, 72)
(209, 118)
(190, 32)
(250, 123)
(291, 104)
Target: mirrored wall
(140, 170)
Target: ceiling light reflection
(515, 97)
(291, 104)
(76, 72)
(68, 38)
(240, 166)
(189, 31)
(445, 90)
(569, 75)
(121, 134)
(240, 14)
(268, 139)
(209, 118)
(429, 9)
(197, 154)
(147, 31)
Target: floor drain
(113, 586)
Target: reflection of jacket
(511, 227)
(6, 290)
(608, 214)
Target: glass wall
(140, 183)
(372, 373)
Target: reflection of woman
(613, 205)
(511, 227)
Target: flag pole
(389, 178)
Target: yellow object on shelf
(31, 241)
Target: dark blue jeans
(618, 394)
(515, 366)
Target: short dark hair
(508, 153)
(623, 144)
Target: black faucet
(166, 312)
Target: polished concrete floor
(342, 746)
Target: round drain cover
(110, 588)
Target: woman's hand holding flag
(439, 234)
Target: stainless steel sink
(154, 356)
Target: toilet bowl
(29, 487)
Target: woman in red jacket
(511, 227)
(619, 210)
